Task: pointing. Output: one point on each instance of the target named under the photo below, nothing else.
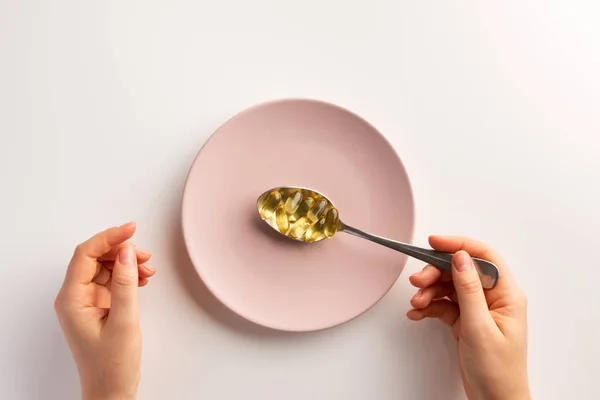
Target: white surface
(493, 107)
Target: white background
(493, 107)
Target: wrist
(111, 396)
(102, 387)
(92, 393)
(522, 394)
(501, 392)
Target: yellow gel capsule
(315, 212)
(268, 204)
(292, 202)
(300, 214)
(315, 232)
(331, 223)
(302, 209)
(300, 226)
(281, 218)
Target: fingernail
(462, 261)
(128, 225)
(149, 268)
(126, 256)
(414, 315)
(418, 294)
(143, 253)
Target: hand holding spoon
(309, 216)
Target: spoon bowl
(299, 213)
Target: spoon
(308, 216)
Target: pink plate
(270, 279)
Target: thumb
(124, 287)
(471, 300)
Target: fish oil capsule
(331, 222)
(315, 212)
(292, 202)
(302, 209)
(315, 232)
(268, 204)
(281, 219)
(299, 228)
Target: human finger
(428, 276)
(142, 255)
(445, 310)
(102, 276)
(144, 270)
(506, 290)
(124, 289)
(473, 306)
(452, 296)
(83, 265)
(475, 248)
(424, 297)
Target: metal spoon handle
(488, 272)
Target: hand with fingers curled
(97, 307)
(490, 326)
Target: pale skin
(490, 326)
(97, 307)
